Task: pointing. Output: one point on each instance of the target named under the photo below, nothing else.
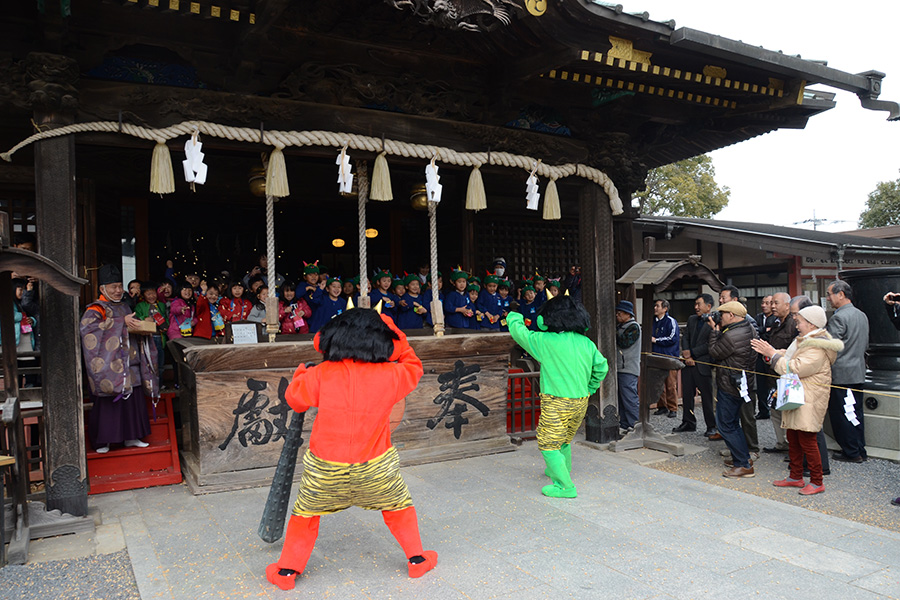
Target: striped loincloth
(328, 487)
(559, 421)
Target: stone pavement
(633, 533)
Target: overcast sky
(831, 166)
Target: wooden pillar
(55, 208)
(795, 276)
(595, 244)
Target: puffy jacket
(730, 348)
(812, 363)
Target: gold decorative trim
(192, 7)
(640, 88)
(711, 75)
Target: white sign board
(244, 333)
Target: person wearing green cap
(529, 307)
(326, 304)
(457, 306)
(411, 309)
(488, 304)
(572, 369)
(475, 320)
(382, 293)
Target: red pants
(800, 444)
(669, 398)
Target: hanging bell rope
(283, 139)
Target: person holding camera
(780, 337)
(262, 270)
(697, 374)
(729, 347)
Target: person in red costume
(351, 460)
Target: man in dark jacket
(729, 347)
(697, 374)
(780, 336)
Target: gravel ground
(858, 492)
(103, 577)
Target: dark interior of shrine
(221, 225)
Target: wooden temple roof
(581, 82)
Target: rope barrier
(772, 375)
(283, 139)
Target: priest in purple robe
(121, 367)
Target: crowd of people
(191, 306)
(743, 358)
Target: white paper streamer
(194, 167)
(432, 186)
(345, 177)
(745, 389)
(850, 408)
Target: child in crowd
(235, 308)
(412, 311)
(351, 460)
(326, 304)
(473, 280)
(149, 308)
(553, 287)
(539, 283)
(165, 293)
(505, 299)
(209, 320)
(194, 280)
(529, 308)
(472, 290)
(351, 286)
(293, 311)
(398, 288)
(258, 312)
(488, 304)
(382, 293)
(458, 308)
(182, 312)
(310, 281)
(134, 293)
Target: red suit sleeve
(303, 391)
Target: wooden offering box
(235, 416)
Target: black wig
(562, 313)
(357, 334)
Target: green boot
(562, 486)
(566, 451)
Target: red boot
(299, 540)
(405, 527)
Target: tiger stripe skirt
(559, 421)
(328, 487)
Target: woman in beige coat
(810, 356)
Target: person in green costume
(571, 370)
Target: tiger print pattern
(559, 421)
(328, 487)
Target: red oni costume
(351, 460)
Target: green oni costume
(572, 369)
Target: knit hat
(410, 277)
(309, 268)
(332, 279)
(472, 288)
(109, 274)
(814, 314)
(382, 273)
(528, 288)
(734, 307)
(491, 279)
(503, 283)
